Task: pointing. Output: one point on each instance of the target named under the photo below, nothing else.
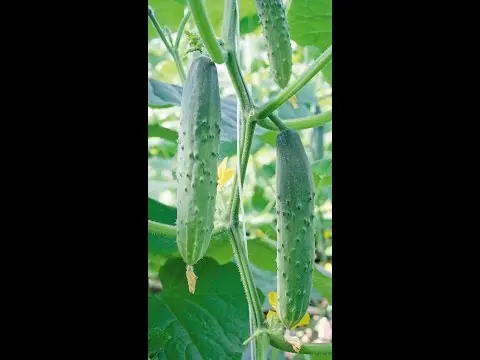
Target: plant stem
(317, 349)
(206, 31)
(238, 82)
(170, 231)
(299, 123)
(261, 342)
(162, 229)
(181, 27)
(171, 50)
(277, 121)
(178, 64)
(247, 144)
(295, 86)
(230, 24)
(153, 19)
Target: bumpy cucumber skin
(198, 143)
(295, 240)
(275, 30)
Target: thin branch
(206, 31)
(277, 121)
(171, 50)
(295, 86)
(181, 27)
(299, 123)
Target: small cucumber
(275, 30)
(198, 143)
(295, 239)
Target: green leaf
(262, 254)
(249, 24)
(163, 95)
(161, 132)
(160, 245)
(215, 12)
(210, 324)
(327, 73)
(322, 282)
(325, 181)
(168, 13)
(259, 201)
(302, 14)
(220, 249)
(322, 167)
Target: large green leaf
(220, 249)
(161, 245)
(156, 130)
(249, 24)
(262, 254)
(322, 282)
(303, 14)
(168, 13)
(215, 12)
(210, 324)
(163, 95)
(322, 167)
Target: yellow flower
(293, 101)
(328, 267)
(327, 234)
(224, 174)
(272, 299)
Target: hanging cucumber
(295, 240)
(275, 30)
(198, 142)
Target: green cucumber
(275, 30)
(295, 239)
(198, 143)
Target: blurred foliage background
(310, 28)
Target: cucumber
(276, 32)
(295, 239)
(198, 143)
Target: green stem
(179, 65)
(162, 229)
(277, 121)
(238, 82)
(295, 86)
(299, 123)
(247, 144)
(170, 231)
(316, 349)
(181, 27)
(171, 50)
(230, 24)
(206, 31)
(251, 293)
(153, 19)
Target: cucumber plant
(198, 150)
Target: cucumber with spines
(276, 32)
(198, 144)
(295, 238)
